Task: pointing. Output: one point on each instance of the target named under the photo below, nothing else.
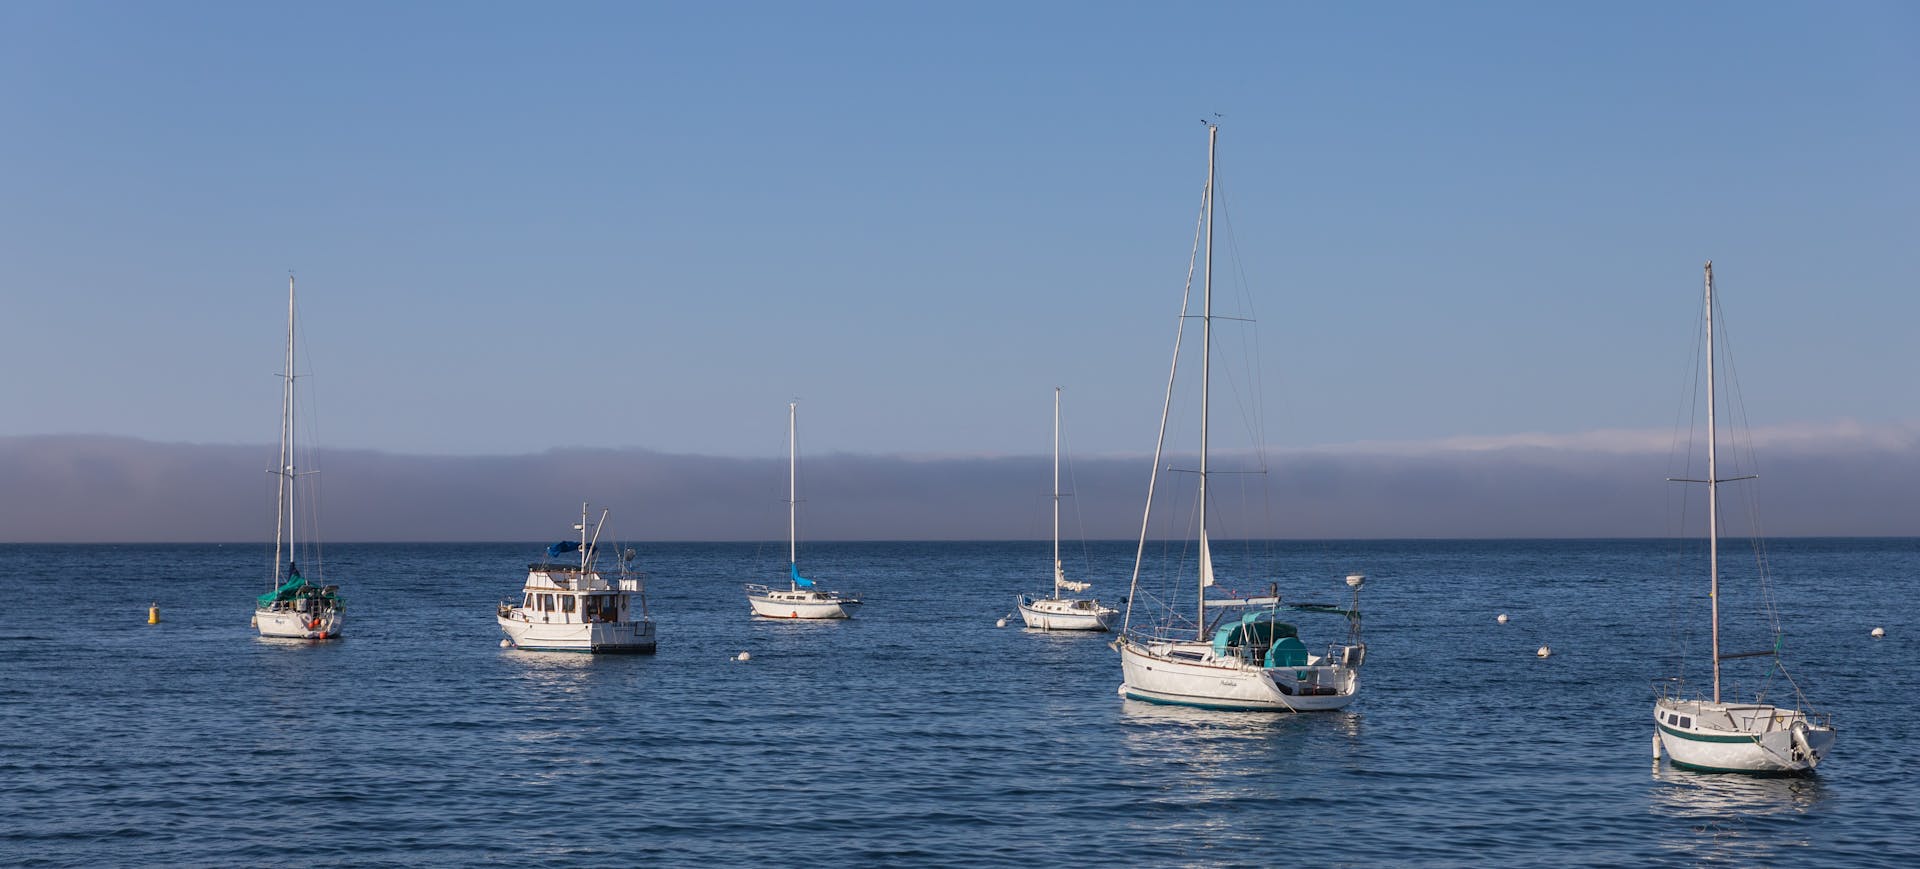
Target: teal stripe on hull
(1695, 737)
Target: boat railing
(1670, 688)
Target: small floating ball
(1000, 624)
(506, 644)
(1879, 632)
(1544, 651)
(1501, 618)
(743, 656)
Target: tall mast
(1056, 493)
(793, 499)
(283, 498)
(583, 542)
(1206, 382)
(1713, 495)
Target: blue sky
(520, 227)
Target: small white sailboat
(1254, 662)
(1057, 612)
(1715, 735)
(802, 598)
(575, 607)
(296, 605)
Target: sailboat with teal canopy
(295, 605)
(802, 598)
(1237, 652)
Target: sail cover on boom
(284, 592)
(799, 580)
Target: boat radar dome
(1355, 580)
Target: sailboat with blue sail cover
(802, 598)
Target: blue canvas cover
(799, 580)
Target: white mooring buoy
(743, 656)
(1501, 618)
(506, 644)
(1544, 651)
(1000, 624)
(1879, 632)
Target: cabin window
(529, 602)
(546, 602)
(1686, 722)
(566, 603)
(603, 609)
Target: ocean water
(919, 733)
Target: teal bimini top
(1256, 630)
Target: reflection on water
(1720, 815)
(1224, 766)
(556, 672)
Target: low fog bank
(69, 488)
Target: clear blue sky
(520, 226)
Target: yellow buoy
(153, 614)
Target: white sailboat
(297, 605)
(1717, 735)
(575, 607)
(801, 599)
(1254, 662)
(1057, 612)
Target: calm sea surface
(920, 733)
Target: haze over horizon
(1839, 482)
(1471, 237)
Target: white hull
(602, 637)
(776, 607)
(1153, 673)
(1744, 738)
(1055, 614)
(291, 624)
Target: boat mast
(793, 498)
(583, 542)
(283, 507)
(1713, 495)
(1056, 493)
(1206, 374)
